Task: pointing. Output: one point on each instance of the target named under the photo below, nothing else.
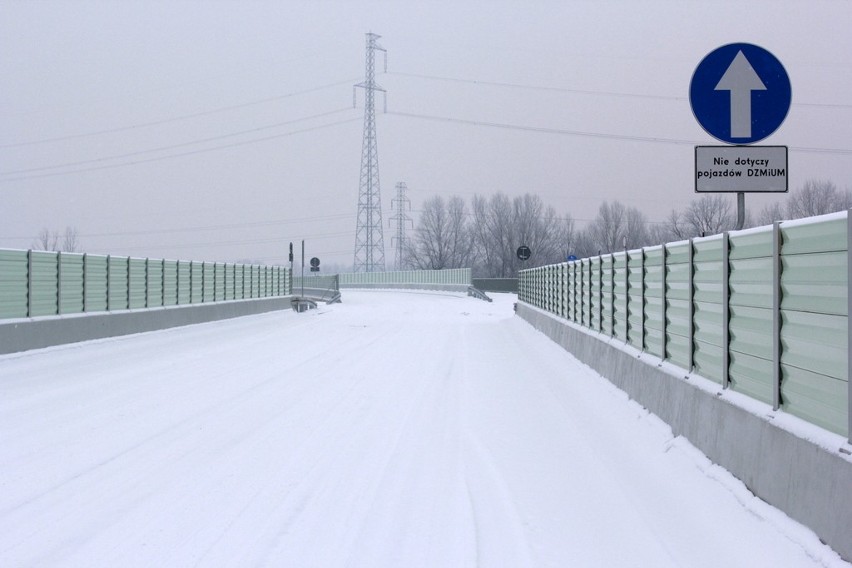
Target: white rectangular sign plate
(747, 169)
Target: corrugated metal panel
(170, 289)
(184, 276)
(678, 312)
(570, 291)
(229, 281)
(636, 303)
(707, 338)
(239, 279)
(751, 370)
(814, 282)
(707, 361)
(620, 296)
(208, 280)
(196, 282)
(707, 315)
(750, 282)
(118, 282)
(754, 243)
(13, 283)
(816, 342)
(96, 283)
(586, 296)
(155, 284)
(751, 376)
(219, 288)
(71, 283)
(606, 293)
(814, 329)
(44, 284)
(816, 398)
(678, 349)
(817, 235)
(595, 287)
(654, 301)
(138, 283)
(814, 322)
(554, 289)
(255, 281)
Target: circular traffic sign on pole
(524, 252)
(740, 93)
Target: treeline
(486, 234)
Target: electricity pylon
(369, 244)
(401, 219)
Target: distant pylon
(403, 204)
(369, 244)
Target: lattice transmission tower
(401, 219)
(369, 244)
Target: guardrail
(762, 311)
(39, 283)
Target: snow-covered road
(398, 429)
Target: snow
(398, 429)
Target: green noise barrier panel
(763, 311)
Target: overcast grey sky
(215, 130)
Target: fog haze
(223, 130)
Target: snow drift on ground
(398, 429)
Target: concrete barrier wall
(34, 333)
(805, 480)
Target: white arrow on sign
(740, 79)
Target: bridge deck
(396, 429)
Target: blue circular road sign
(740, 93)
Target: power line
(583, 91)
(545, 130)
(602, 135)
(174, 146)
(537, 87)
(182, 154)
(175, 118)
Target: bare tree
(817, 197)
(617, 227)
(709, 215)
(71, 240)
(539, 227)
(442, 239)
(46, 240)
(672, 229)
(493, 232)
(52, 241)
(501, 225)
(771, 213)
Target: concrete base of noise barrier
(806, 481)
(34, 333)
